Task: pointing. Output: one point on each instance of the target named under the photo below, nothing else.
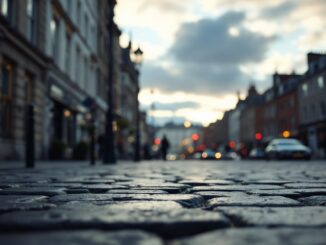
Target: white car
(287, 149)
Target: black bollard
(29, 137)
(92, 150)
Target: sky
(199, 53)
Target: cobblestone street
(164, 203)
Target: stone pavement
(159, 202)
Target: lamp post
(109, 150)
(138, 59)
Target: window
(86, 73)
(69, 6)
(31, 20)
(79, 14)
(323, 108)
(77, 65)
(54, 25)
(280, 89)
(67, 53)
(86, 28)
(8, 10)
(304, 88)
(6, 84)
(321, 82)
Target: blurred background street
(162, 122)
(156, 202)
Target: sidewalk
(159, 202)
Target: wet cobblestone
(164, 203)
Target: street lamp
(138, 59)
(109, 152)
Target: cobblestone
(252, 236)
(164, 203)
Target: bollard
(29, 137)
(92, 150)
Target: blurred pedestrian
(165, 145)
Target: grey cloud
(280, 10)
(200, 80)
(163, 5)
(208, 42)
(208, 60)
(174, 106)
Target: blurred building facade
(128, 101)
(53, 54)
(294, 106)
(312, 105)
(183, 140)
(22, 73)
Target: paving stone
(305, 185)
(19, 202)
(252, 200)
(133, 191)
(156, 184)
(314, 200)
(46, 191)
(171, 190)
(77, 191)
(53, 185)
(282, 192)
(277, 217)
(164, 218)
(206, 182)
(212, 194)
(102, 188)
(81, 238)
(311, 191)
(186, 200)
(251, 236)
(83, 180)
(236, 187)
(267, 182)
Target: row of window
(8, 9)
(87, 29)
(84, 72)
(314, 111)
(317, 84)
(7, 82)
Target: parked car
(287, 149)
(210, 155)
(257, 153)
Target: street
(156, 202)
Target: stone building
(72, 78)
(128, 103)
(22, 73)
(312, 104)
(279, 111)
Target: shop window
(6, 84)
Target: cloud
(280, 10)
(207, 57)
(174, 106)
(209, 41)
(164, 5)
